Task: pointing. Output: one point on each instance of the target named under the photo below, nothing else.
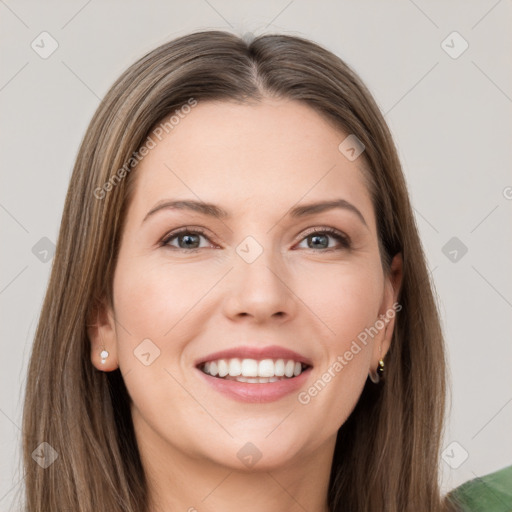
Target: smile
(254, 371)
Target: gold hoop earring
(376, 378)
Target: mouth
(254, 371)
(255, 374)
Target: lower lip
(257, 393)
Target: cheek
(161, 303)
(347, 299)
(344, 299)
(153, 308)
(151, 297)
(348, 305)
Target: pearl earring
(103, 355)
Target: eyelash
(342, 239)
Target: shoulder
(489, 493)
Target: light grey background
(451, 119)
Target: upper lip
(248, 352)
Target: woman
(198, 347)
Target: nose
(261, 290)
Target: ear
(388, 310)
(102, 335)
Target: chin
(257, 452)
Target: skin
(255, 160)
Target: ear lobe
(102, 335)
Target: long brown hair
(387, 452)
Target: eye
(188, 239)
(319, 238)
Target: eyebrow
(217, 212)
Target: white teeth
(288, 369)
(235, 367)
(266, 368)
(251, 370)
(279, 368)
(223, 368)
(255, 380)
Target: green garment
(489, 493)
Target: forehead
(274, 153)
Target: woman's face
(257, 282)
